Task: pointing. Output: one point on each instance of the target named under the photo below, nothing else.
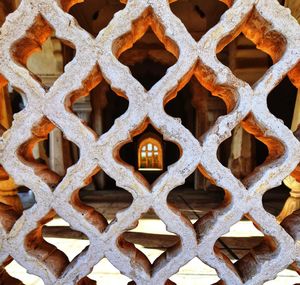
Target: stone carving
(269, 25)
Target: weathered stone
(269, 25)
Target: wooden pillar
(241, 154)
(56, 152)
(99, 102)
(199, 102)
(240, 160)
(83, 110)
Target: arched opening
(150, 153)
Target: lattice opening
(139, 29)
(111, 107)
(281, 101)
(270, 45)
(157, 256)
(199, 16)
(148, 59)
(59, 233)
(196, 203)
(41, 53)
(274, 199)
(47, 63)
(258, 151)
(93, 16)
(245, 153)
(245, 60)
(107, 203)
(152, 164)
(72, 247)
(245, 252)
(195, 101)
(151, 237)
(108, 104)
(37, 153)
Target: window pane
(144, 148)
(149, 146)
(155, 148)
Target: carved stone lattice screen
(265, 22)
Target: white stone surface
(269, 25)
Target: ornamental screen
(265, 22)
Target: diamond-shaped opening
(249, 55)
(275, 198)
(104, 204)
(59, 233)
(107, 106)
(148, 59)
(93, 15)
(96, 104)
(150, 237)
(48, 152)
(198, 196)
(281, 102)
(41, 53)
(245, 60)
(242, 152)
(249, 150)
(243, 245)
(149, 154)
(195, 272)
(198, 16)
(16, 274)
(146, 50)
(105, 273)
(196, 107)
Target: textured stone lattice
(265, 22)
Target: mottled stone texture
(265, 22)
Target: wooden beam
(157, 241)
